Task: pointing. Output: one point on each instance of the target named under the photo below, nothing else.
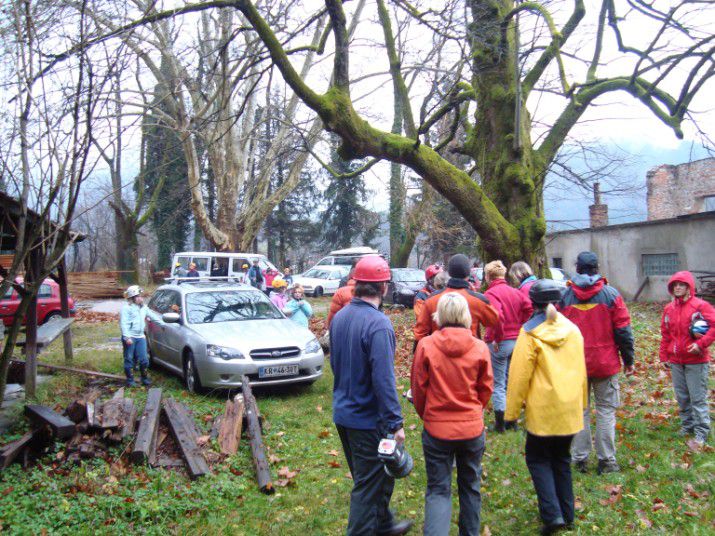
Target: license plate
(278, 370)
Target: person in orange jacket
(425, 292)
(481, 311)
(340, 299)
(451, 384)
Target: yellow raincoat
(548, 372)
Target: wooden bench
(49, 331)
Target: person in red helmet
(365, 401)
(429, 288)
(685, 351)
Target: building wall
(620, 249)
(678, 190)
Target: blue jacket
(362, 355)
(255, 276)
(299, 311)
(132, 320)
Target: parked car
(221, 266)
(345, 257)
(321, 280)
(404, 285)
(48, 303)
(558, 275)
(211, 333)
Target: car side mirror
(171, 318)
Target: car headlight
(223, 352)
(312, 347)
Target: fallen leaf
(282, 483)
(207, 418)
(413, 426)
(644, 519)
(614, 495)
(334, 464)
(272, 458)
(349, 475)
(691, 491)
(506, 482)
(324, 434)
(202, 440)
(486, 531)
(319, 409)
(640, 469)
(287, 473)
(236, 471)
(690, 514)
(333, 452)
(658, 504)
(280, 434)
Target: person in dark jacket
(365, 400)
(684, 349)
(255, 275)
(602, 316)
(193, 272)
(425, 292)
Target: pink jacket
(513, 307)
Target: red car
(48, 303)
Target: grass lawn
(664, 487)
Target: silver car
(211, 333)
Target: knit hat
(458, 266)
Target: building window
(557, 262)
(660, 264)
(709, 203)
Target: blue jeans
(549, 463)
(500, 367)
(135, 353)
(439, 456)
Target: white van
(211, 263)
(345, 256)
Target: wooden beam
(65, 306)
(184, 431)
(12, 450)
(640, 289)
(145, 443)
(62, 368)
(111, 413)
(62, 427)
(258, 451)
(229, 435)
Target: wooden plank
(62, 427)
(637, 295)
(72, 369)
(145, 443)
(12, 450)
(129, 417)
(184, 432)
(118, 394)
(111, 413)
(47, 333)
(229, 435)
(258, 451)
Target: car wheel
(150, 356)
(54, 315)
(191, 374)
(394, 297)
(318, 292)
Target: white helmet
(133, 291)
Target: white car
(321, 280)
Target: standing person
(522, 276)
(451, 386)
(481, 311)
(346, 278)
(132, 320)
(474, 275)
(365, 401)
(340, 299)
(514, 310)
(430, 273)
(279, 297)
(255, 275)
(440, 280)
(242, 276)
(288, 276)
(602, 316)
(179, 270)
(297, 309)
(193, 273)
(687, 329)
(548, 373)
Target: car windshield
(228, 306)
(317, 274)
(407, 276)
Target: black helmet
(545, 291)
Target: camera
(397, 461)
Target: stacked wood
(62, 427)
(19, 367)
(258, 451)
(184, 431)
(229, 434)
(96, 284)
(146, 441)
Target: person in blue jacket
(131, 322)
(365, 402)
(297, 309)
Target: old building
(679, 190)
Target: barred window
(660, 264)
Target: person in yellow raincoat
(548, 374)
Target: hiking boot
(397, 528)
(581, 466)
(701, 439)
(131, 382)
(604, 466)
(553, 529)
(146, 381)
(511, 426)
(498, 422)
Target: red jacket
(452, 383)
(482, 312)
(602, 316)
(420, 298)
(513, 307)
(675, 325)
(340, 299)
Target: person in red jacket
(340, 299)
(602, 316)
(514, 310)
(482, 312)
(429, 288)
(684, 348)
(451, 386)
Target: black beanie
(458, 266)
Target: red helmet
(372, 269)
(432, 271)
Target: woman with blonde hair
(522, 276)
(297, 309)
(451, 385)
(548, 374)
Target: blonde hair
(519, 271)
(549, 309)
(494, 270)
(297, 286)
(453, 310)
(440, 280)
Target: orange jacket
(340, 299)
(482, 312)
(452, 382)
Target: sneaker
(701, 439)
(146, 381)
(581, 466)
(553, 528)
(604, 466)
(131, 383)
(685, 432)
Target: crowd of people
(526, 344)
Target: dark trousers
(439, 456)
(549, 462)
(372, 487)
